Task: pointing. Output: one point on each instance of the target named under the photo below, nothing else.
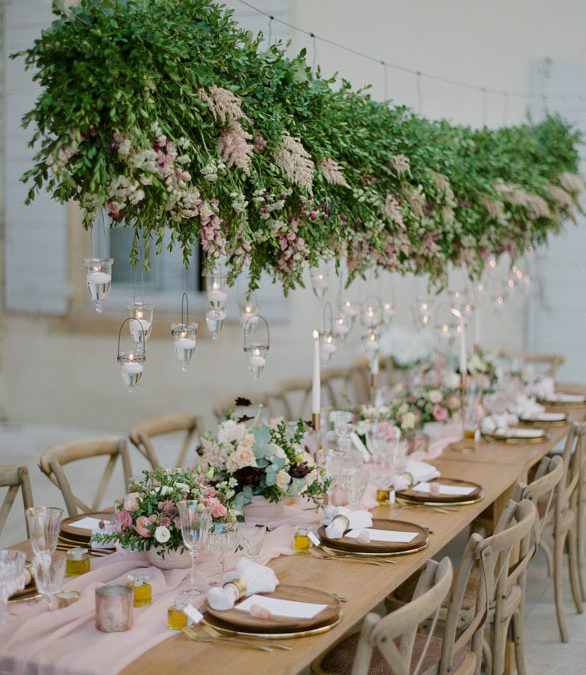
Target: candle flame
(316, 335)
(456, 312)
(131, 357)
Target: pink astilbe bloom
(223, 104)
(294, 161)
(234, 147)
(571, 182)
(332, 172)
(416, 199)
(400, 164)
(562, 198)
(393, 211)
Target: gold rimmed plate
(281, 626)
(73, 534)
(546, 419)
(274, 636)
(371, 554)
(473, 495)
(377, 547)
(517, 439)
(574, 402)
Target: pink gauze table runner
(66, 641)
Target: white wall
(59, 378)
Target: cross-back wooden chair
(141, 435)
(393, 643)
(361, 380)
(55, 458)
(562, 525)
(228, 404)
(291, 398)
(482, 589)
(581, 521)
(15, 477)
(548, 364)
(336, 388)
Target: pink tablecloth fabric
(66, 641)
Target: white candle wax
(257, 361)
(98, 278)
(341, 328)
(185, 343)
(132, 367)
(316, 382)
(349, 309)
(371, 345)
(374, 366)
(217, 296)
(463, 360)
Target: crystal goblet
(193, 522)
(49, 572)
(44, 524)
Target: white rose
(434, 396)
(283, 479)
(245, 456)
(162, 534)
(231, 431)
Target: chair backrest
(336, 389)
(55, 458)
(490, 558)
(570, 484)
(394, 635)
(15, 477)
(361, 380)
(541, 491)
(291, 398)
(228, 404)
(548, 364)
(141, 434)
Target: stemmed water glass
(193, 521)
(252, 537)
(44, 524)
(49, 572)
(221, 538)
(12, 578)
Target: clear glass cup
(44, 525)
(252, 537)
(184, 341)
(12, 579)
(98, 279)
(355, 483)
(141, 320)
(49, 573)
(221, 538)
(193, 523)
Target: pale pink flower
(234, 147)
(415, 197)
(393, 211)
(121, 520)
(440, 413)
(216, 508)
(131, 501)
(294, 161)
(571, 182)
(400, 165)
(142, 523)
(223, 104)
(333, 172)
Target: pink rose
(142, 523)
(217, 509)
(121, 520)
(131, 502)
(440, 413)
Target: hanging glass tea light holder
(249, 310)
(371, 312)
(256, 343)
(132, 362)
(371, 344)
(349, 310)
(141, 320)
(328, 341)
(217, 301)
(341, 327)
(184, 335)
(98, 279)
(388, 312)
(320, 281)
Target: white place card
(277, 607)
(89, 523)
(524, 433)
(313, 539)
(383, 535)
(195, 615)
(445, 489)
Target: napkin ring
(240, 586)
(409, 477)
(341, 515)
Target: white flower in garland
(294, 161)
(223, 104)
(394, 211)
(332, 172)
(400, 165)
(571, 182)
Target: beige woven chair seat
(339, 660)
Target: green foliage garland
(167, 115)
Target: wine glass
(221, 538)
(193, 520)
(12, 579)
(49, 572)
(252, 537)
(44, 523)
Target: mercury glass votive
(114, 608)
(99, 279)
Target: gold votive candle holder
(114, 608)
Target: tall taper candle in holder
(316, 385)
(463, 365)
(374, 378)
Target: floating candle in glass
(141, 320)
(98, 279)
(320, 281)
(184, 341)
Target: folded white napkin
(544, 388)
(525, 406)
(341, 519)
(498, 423)
(257, 578)
(415, 472)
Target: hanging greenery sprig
(167, 115)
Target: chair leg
(519, 639)
(573, 566)
(558, 554)
(486, 656)
(477, 648)
(580, 528)
(545, 547)
(499, 646)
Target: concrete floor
(545, 654)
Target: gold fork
(342, 554)
(230, 633)
(326, 554)
(216, 635)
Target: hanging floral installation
(168, 116)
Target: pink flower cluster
(293, 248)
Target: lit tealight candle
(97, 277)
(256, 360)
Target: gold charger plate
(517, 440)
(78, 534)
(237, 620)
(275, 636)
(371, 554)
(412, 495)
(547, 423)
(349, 545)
(554, 402)
(413, 502)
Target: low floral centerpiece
(263, 460)
(148, 518)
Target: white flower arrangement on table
(262, 461)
